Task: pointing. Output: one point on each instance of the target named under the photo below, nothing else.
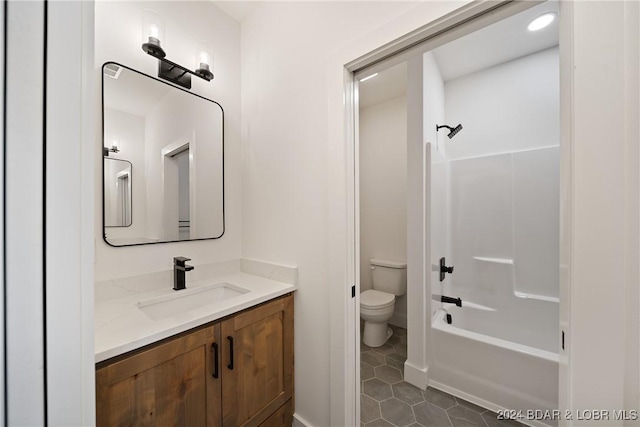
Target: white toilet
(376, 305)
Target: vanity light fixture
(152, 34)
(113, 149)
(204, 60)
(541, 21)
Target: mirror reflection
(117, 193)
(174, 141)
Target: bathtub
(492, 372)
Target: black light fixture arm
(173, 72)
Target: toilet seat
(375, 300)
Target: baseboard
(416, 376)
(298, 421)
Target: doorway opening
(124, 199)
(481, 154)
(177, 193)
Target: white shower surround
(492, 372)
(495, 217)
(504, 357)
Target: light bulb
(204, 55)
(541, 21)
(205, 58)
(153, 31)
(152, 27)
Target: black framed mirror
(174, 140)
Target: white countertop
(120, 326)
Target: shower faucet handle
(444, 269)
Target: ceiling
(388, 84)
(496, 44)
(503, 41)
(238, 10)
(148, 92)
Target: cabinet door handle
(214, 347)
(230, 365)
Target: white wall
(497, 204)
(176, 120)
(433, 100)
(604, 59)
(510, 107)
(118, 38)
(599, 225)
(274, 61)
(383, 190)
(295, 169)
(295, 134)
(131, 131)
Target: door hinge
(353, 291)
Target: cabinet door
(170, 384)
(258, 363)
(283, 417)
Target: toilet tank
(389, 276)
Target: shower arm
(438, 127)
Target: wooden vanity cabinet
(166, 384)
(177, 382)
(261, 380)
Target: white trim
(24, 214)
(417, 376)
(451, 26)
(566, 206)
(70, 208)
(600, 205)
(632, 243)
(168, 151)
(87, 214)
(462, 21)
(353, 314)
(298, 421)
(3, 391)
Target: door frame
(454, 25)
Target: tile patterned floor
(387, 401)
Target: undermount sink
(188, 300)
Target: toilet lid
(376, 299)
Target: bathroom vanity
(223, 362)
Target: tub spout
(451, 300)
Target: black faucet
(179, 268)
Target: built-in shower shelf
(494, 260)
(536, 296)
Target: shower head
(452, 131)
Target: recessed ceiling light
(368, 77)
(541, 21)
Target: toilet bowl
(377, 304)
(376, 309)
